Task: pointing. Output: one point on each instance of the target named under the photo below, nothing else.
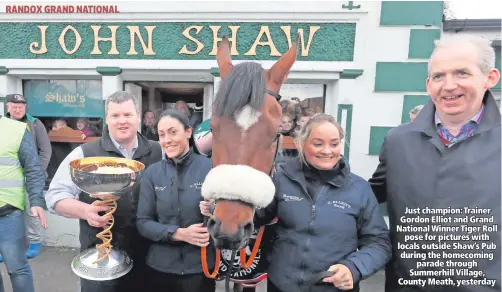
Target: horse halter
(278, 136)
(244, 261)
(274, 94)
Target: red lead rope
(244, 264)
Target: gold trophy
(107, 179)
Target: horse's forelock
(245, 85)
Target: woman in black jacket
(328, 217)
(168, 211)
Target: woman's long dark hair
(183, 119)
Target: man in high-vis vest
(16, 110)
(20, 172)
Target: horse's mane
(245, 85)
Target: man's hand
(40, 213)
(92, 216)
(342, 279)
(195, 234)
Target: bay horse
(245, 124)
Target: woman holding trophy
(168, 211)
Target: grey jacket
(40, 138)
(32, 172)
(417, 171)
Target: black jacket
(150, 133)
(125, 235)
(418, 172)
(169, 199)
(323, 219)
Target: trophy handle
(105, 248)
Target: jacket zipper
(312, 218)
(182, 246)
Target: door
(208, 101)
(3, 109)
(135, 90)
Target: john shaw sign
(175, 41)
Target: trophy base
(115, 266)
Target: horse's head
(245, 123)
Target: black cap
(15, 98)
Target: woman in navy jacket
(329, 218)
(168, 211)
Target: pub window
(3, 109)
(302, 100)
(299, 102)
(72, 112)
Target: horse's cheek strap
(239, 182)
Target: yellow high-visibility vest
(12, 191)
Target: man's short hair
(148, 111)
(121, 97)
(308, 113)
(182, 102)
(486, 53)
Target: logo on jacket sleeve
(159, 189)
(196, 185)
(291, 198)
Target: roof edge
(462, 24)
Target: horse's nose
(228, 235)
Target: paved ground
(52, 273)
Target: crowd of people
(327, 216)
(81, 124)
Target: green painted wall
(411, 101)
(400, 76)
(377, 135)
(411, 13)
(332, 42)
(422, 42)
(383, 209)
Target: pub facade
(363, 62)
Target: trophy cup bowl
(107, 179)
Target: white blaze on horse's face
(247, 117)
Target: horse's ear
(224, 58)
(279, 72)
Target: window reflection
(299, 102)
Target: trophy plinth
(107, 179)
(115, 265)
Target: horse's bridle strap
(274, 94)
(205, 267)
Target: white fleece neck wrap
(239, 182)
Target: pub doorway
(159, 96)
